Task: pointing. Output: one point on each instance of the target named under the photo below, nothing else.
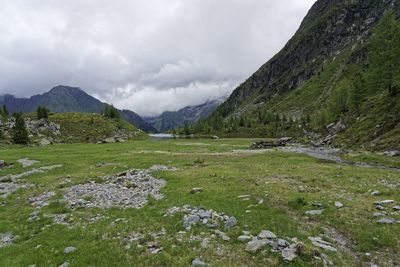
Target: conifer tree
(20, 133)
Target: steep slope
(323, 75)
(67, 99)
(170, 120)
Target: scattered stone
(338, 204)
(256, 244)
(318, 242)
(65, 264)
(14, 177)
(314, 212)
(265, 234)
(393, 153)
(25, 162)
(42, 200)
(109, 140)
(198, 262)
(387, 221)
(114, 192)
(396, 208)
(379, 214)
(196, 190)
(375, 193)
(379, 207)
(231, 222)
(244, 238)
(68, 250)
(291, 252)
(156, 168)
(6, 239)
(384, 202)
(190, 220)
(267, 144)
(8, 188)
(222, 235)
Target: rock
(387, 221)
(198, 262)
(318, 242)
(190, 220)
(375, 193)
(338, 204)
(68, 250)
(2, 164)
(109, 140)
(244, 196)
(27, 162)
(214, 137)
(196, 190)
(255, 245)
(379, 214)
(291, 252)
(283, 243)
(231, 222)
(314, 212)
(244, 238)
(267, 144)
(265, 234)
(222, 235)
(384, 202)
(396, 208)
(393, 153)
(6, 239)
(65, 264)
(44, 142)
(205, 214)
(156, 168)
(379, 207)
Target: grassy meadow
(281, 185)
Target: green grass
(276, 177)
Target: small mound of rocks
(266, 144)
(6, 239)
(9, 188)
(42, 200)
(129, 189)
(195, 215)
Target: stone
(288, 254)
(283, 243)
(205, 214)
(265, 234)
(392, 153)
(387, 221)
(375, 193)
(196, 190)
(68, 250)
(6, 239)
(379, 214)
(396, 208)
(27, 162)
(2, 164)
(214, 137)
(198, 262)
(110, 140)
(244, 238)
(44, 142)
(314, 212)
(255, 245)
(379, 207)
(65, 264)
(190, 220)
(338, 204)
(384, 202)
(231, 222)
(222, 235)
(318, 242)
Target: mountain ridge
(62, 99)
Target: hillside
(335, 82)
(173, 119)
(73, 128)
(68, 99)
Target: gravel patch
(129, 189)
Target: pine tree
(110, 112)
(356, 93)
(20, 133)
(5, 110)
(384, 55)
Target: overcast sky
(145, 55)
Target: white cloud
(147, 56)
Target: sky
(148, 56)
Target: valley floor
(56, 212)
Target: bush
(20, 133)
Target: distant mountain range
(173, 119)
(68, 99)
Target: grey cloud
(144, 55)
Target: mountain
(68, 99)
(170, 120)
(339, 69)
